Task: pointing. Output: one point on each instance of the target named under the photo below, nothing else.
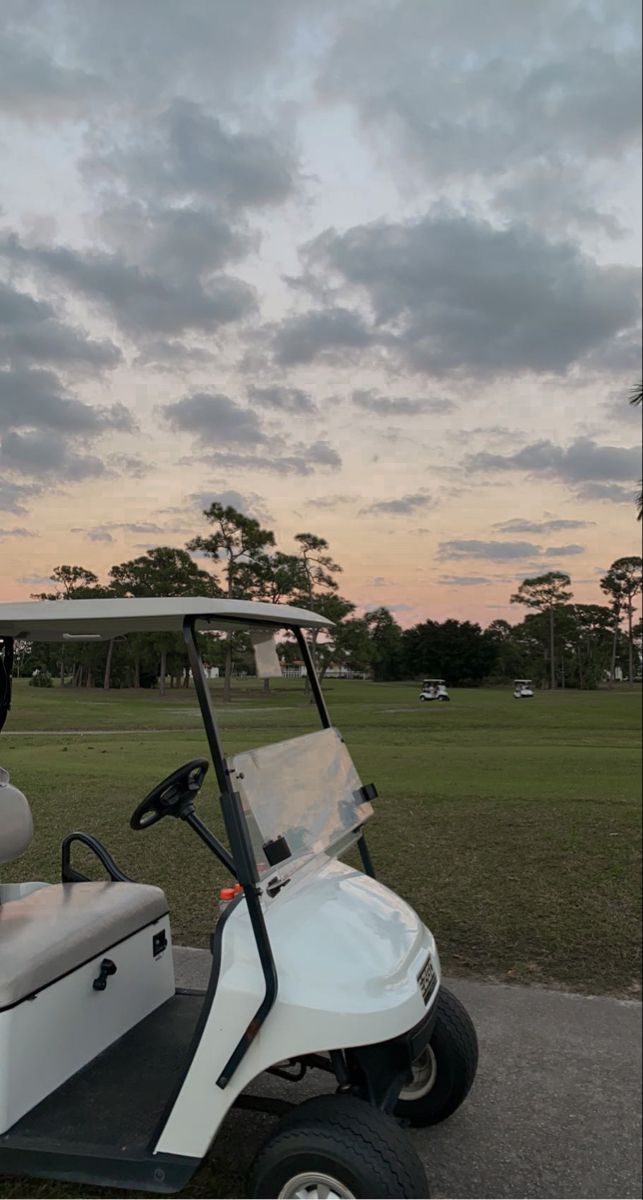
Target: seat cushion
(51, 931)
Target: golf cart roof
(433, 681)
(522, 680)
(100, 620)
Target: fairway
(512, 827)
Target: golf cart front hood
(348, 953)
(357, 940)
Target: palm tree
(636, 397)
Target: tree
(457, 650)
(386, 644)
(163, 571)
(318, 568)
(338, 643)
(239, 542)
(275, 578)
(318, 589)
(70, 583)
(623, 582)
(545, 594)
(592, 629)
(510, 660)
(77, 583)
(636, 398)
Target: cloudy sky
(368, 268)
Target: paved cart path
(555, 1110)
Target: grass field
(513, 828)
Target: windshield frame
(230, 801)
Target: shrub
(41, 679)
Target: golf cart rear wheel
(444, 1072)
(337, 1147)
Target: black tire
(455, 1049)
(344, 1138)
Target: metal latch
(107, 968)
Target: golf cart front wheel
(444, 1072)
(337, 1148)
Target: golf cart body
(434, 689)
(523, 689)
(109, 1073)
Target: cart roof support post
(241, 862)
(6, 678)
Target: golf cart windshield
(300, 798)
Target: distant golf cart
(523, 689)
(434, 689)
(111, 1075)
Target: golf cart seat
(89, 960)
(53, 930)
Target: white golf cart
(434, 689)
(110, 1074)
(523, 689)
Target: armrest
(69, 874)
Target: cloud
(103, 533)
(494, 551)
(285, 399)
(379, 581)
(143, 303)
(553, 525)
(616, 493)
(130, 464)
(172, 356)
(333, 501)
(330, 332)
(554, 198)
(14, 495)
(455, 581)
(99, 535)
(215, 419)
(501, 551)
(177, 242)
(136, 526)
(35, 580)
(399, 406)
(450, 292)
(37, 398)
(36, 452)
(563, 551)
(189, 152)
(30, 332)
(34, 87)
(410, 503)
(483, 93)
(222, 52)
(299, 459)
(18, 531)
(584, 461)
(249, 503)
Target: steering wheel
(173, 797)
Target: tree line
(562, 643)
